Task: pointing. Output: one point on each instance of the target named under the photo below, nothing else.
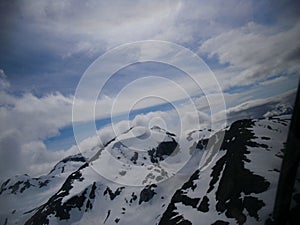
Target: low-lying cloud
(28, 120)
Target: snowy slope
(20, 194)
(88, 198)
(237, 187)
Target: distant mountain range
(237, 185)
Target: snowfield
(171, 184)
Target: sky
(251, 48)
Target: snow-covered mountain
(236, 185)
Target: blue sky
(39, 48)
(46, 46)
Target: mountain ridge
(230, 190)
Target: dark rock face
(14, 188)
(170, 216)
(202, 144)
(231, 188)
(204, 205)
(164, 149)
(55, 205)
(133, 197)
(43, 183)
(220, 222)
(19, 186)
(170, 134)
(3, 186)
(108, 214)
(234, 179)
(147, 193)
(92, 193)
(112, 194)
(73, 158)
(134, 158)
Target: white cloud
(255, 52)
(168, 120)
(26, 121)
(91, 27)
(10, 154)
(141, 93)
(275, 80)
(190, 120)
(34, 117)
(95, 25)
(4, 84)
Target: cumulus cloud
(167, 120)
(10, 154)
(38, 118)
(26, 121)
(34, 117)
(255, 52)
(190, 120)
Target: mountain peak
(212, 195)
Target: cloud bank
(28, 120)
(49, 44)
